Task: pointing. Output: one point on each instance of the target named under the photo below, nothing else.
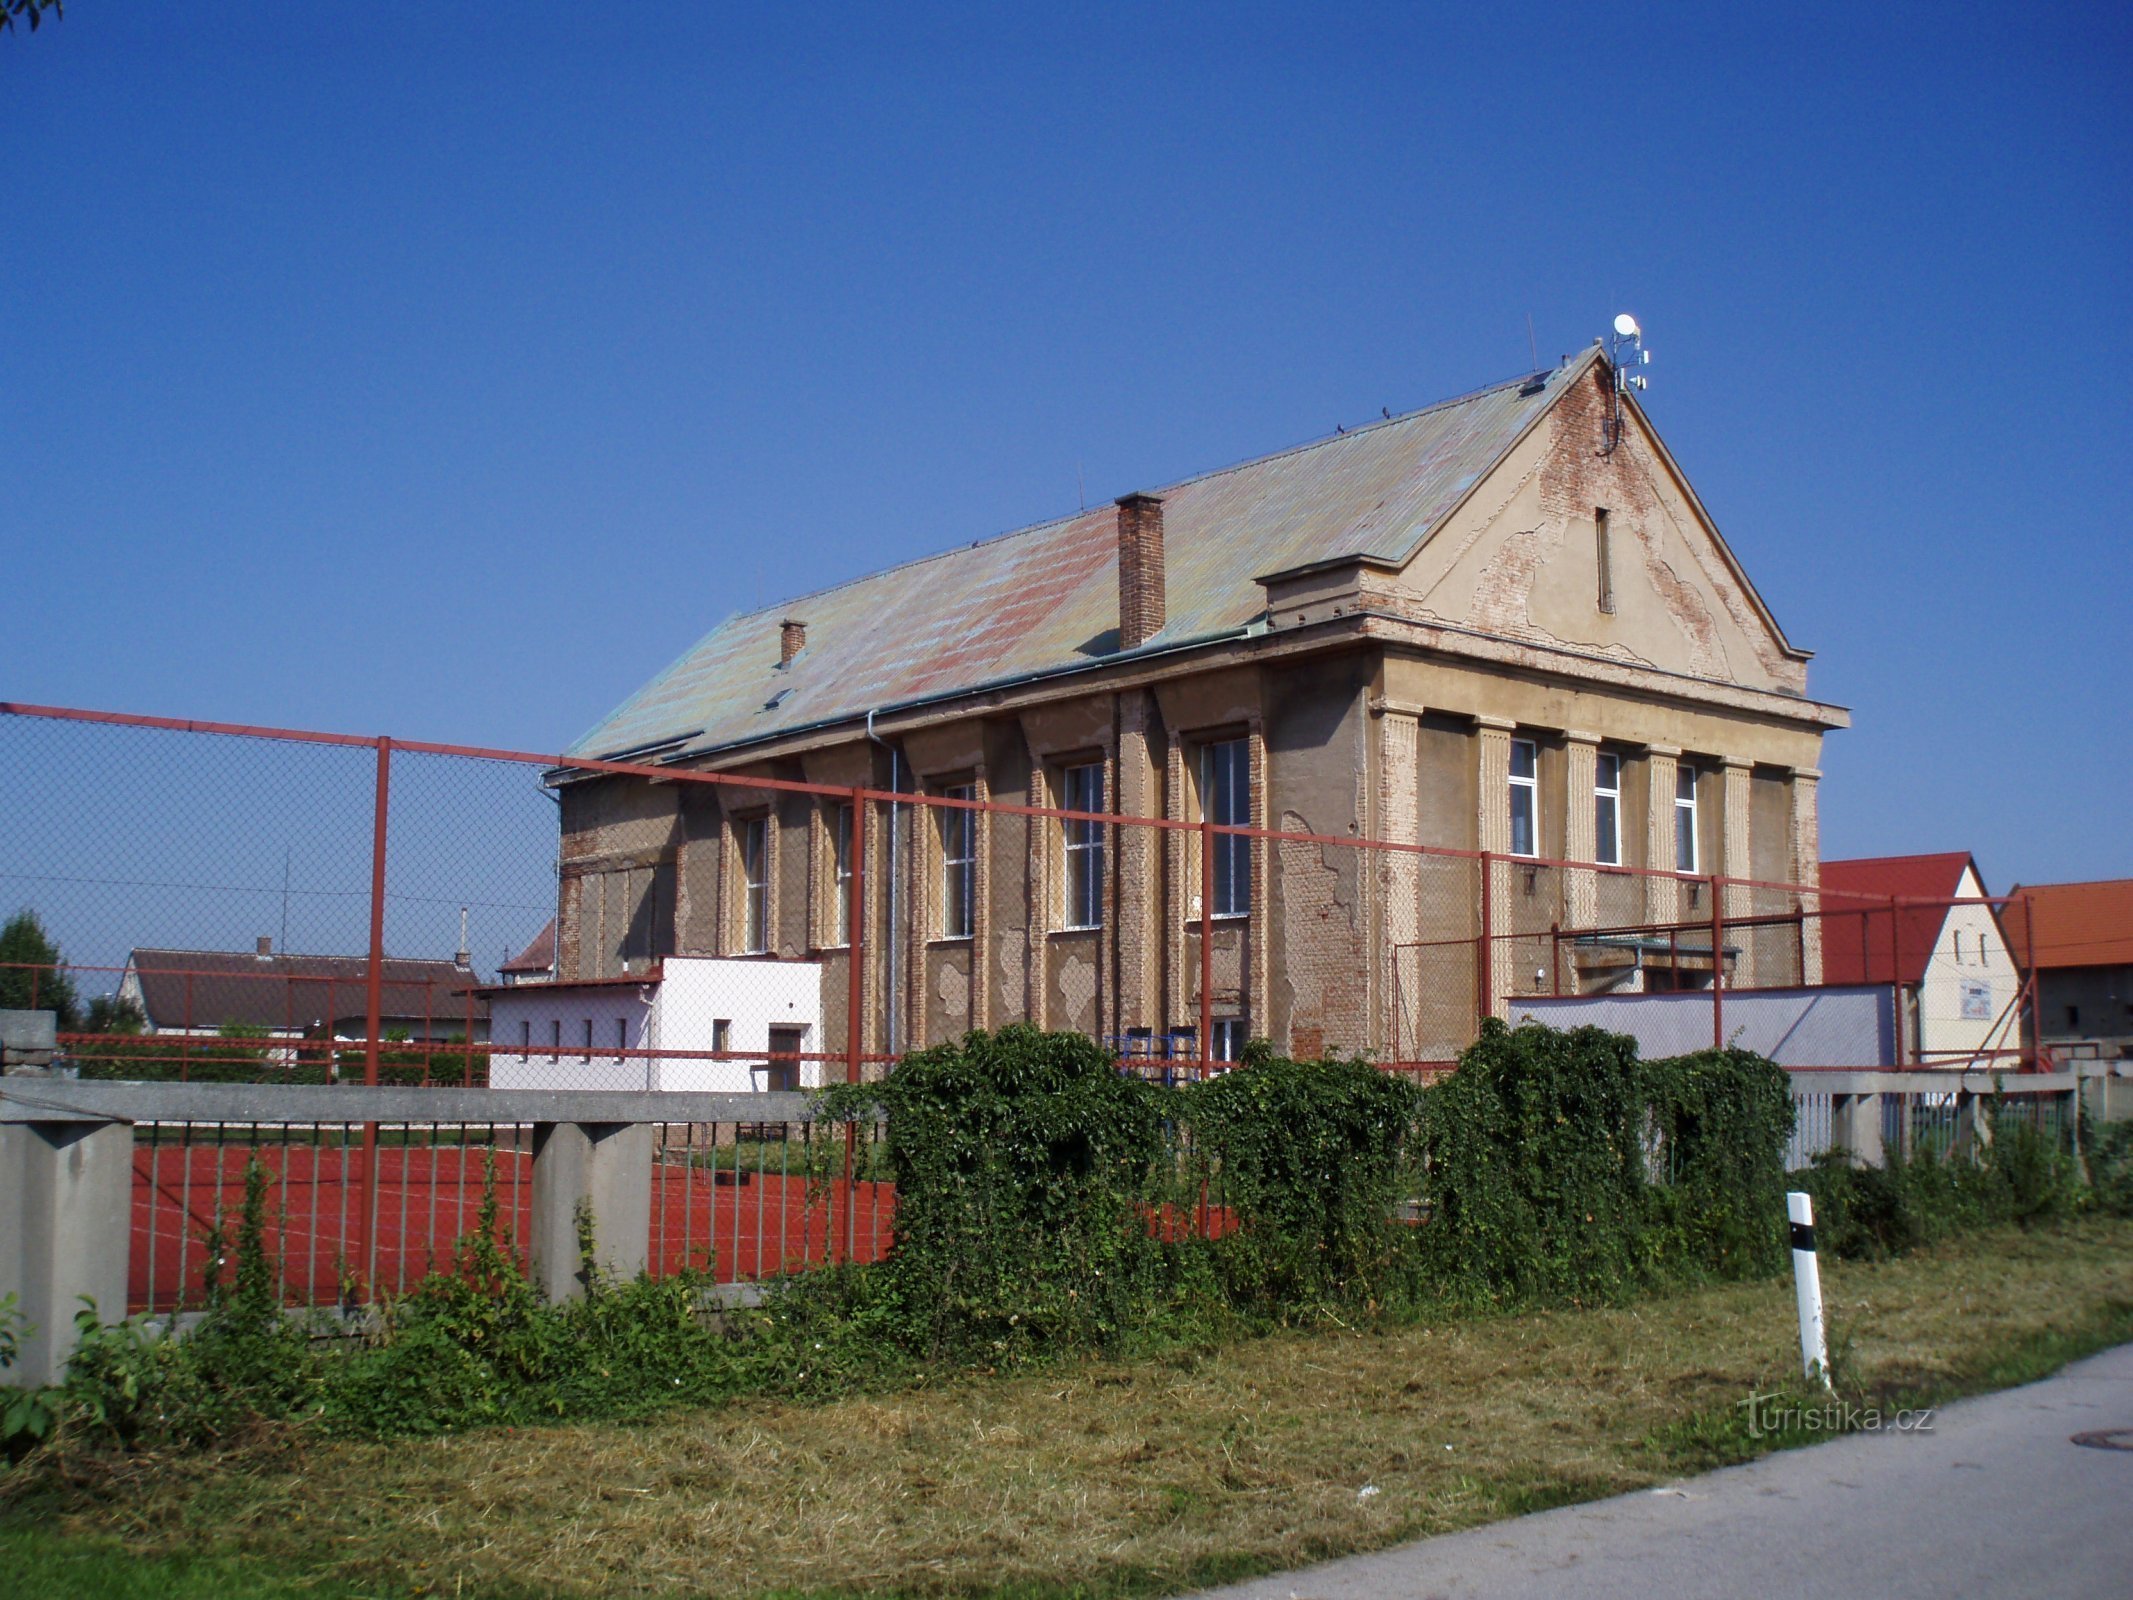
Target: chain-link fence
(209, 903)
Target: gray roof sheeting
(1045, 599)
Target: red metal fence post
(1896, 986)
(373, 1005)
(1485, 949)
(1207, 944)
(1718, 968)
(855, 850)
(2036, 1057)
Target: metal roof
(220, 988)
(1045, 599)
(1864, 942)
(2076, 924)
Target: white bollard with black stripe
(1807, 1287)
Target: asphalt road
(1994, 1500)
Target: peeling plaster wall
(1318, 767)
(620, 849)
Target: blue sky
(446, 370)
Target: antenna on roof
(1532, 343)
(1624, 354)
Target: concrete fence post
(1973, 1123)
(1855, 1127)
(603, 1167)
(66, 1196)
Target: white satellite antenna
(1625, 355)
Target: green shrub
(1562, 1169)
(2018, 1173)
(2109, 1150)
(1535, 1182)
(1309, 1157)
(1027, 1170)
(1719, 1121)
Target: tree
(113, 1013)
(34, 10)
(32, 970)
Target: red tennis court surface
(745, 1226)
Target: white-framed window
(1226, 800)
(755, 885)
(1230, 1034)
(840, 917)
(1607, 809)
(1082, 789)
(1958, 947)
(525, 1037)
(555, 1039)
(959, 864)
(1525, 798)
(588, 1038)
(1684, 818)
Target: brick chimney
(1141, 594)
(792, 639)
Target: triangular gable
(1519, 556)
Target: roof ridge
(277, 955)
(1321, 440)
(1914, 855)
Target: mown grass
(1097, 1479)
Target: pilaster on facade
(1662, 897)
(1256, 1002)
(1492, 827)
(1109, 1020)
(1736, 860)
(921, 873)
(868, 947)
(1581, 885)
(1180, 872)
(980, 900)
(1138, 870)
(1035, 958)
(1398, 873)
(1807, 867)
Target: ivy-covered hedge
(1047, 1201)
(1310, 1164)
(1027, 1168)
(1563, 1169)
(1720, 1122)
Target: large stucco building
(1502, 623)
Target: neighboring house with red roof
(1925, 925)
(202, 992)
(2077, 940)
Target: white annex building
(691, 1023)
